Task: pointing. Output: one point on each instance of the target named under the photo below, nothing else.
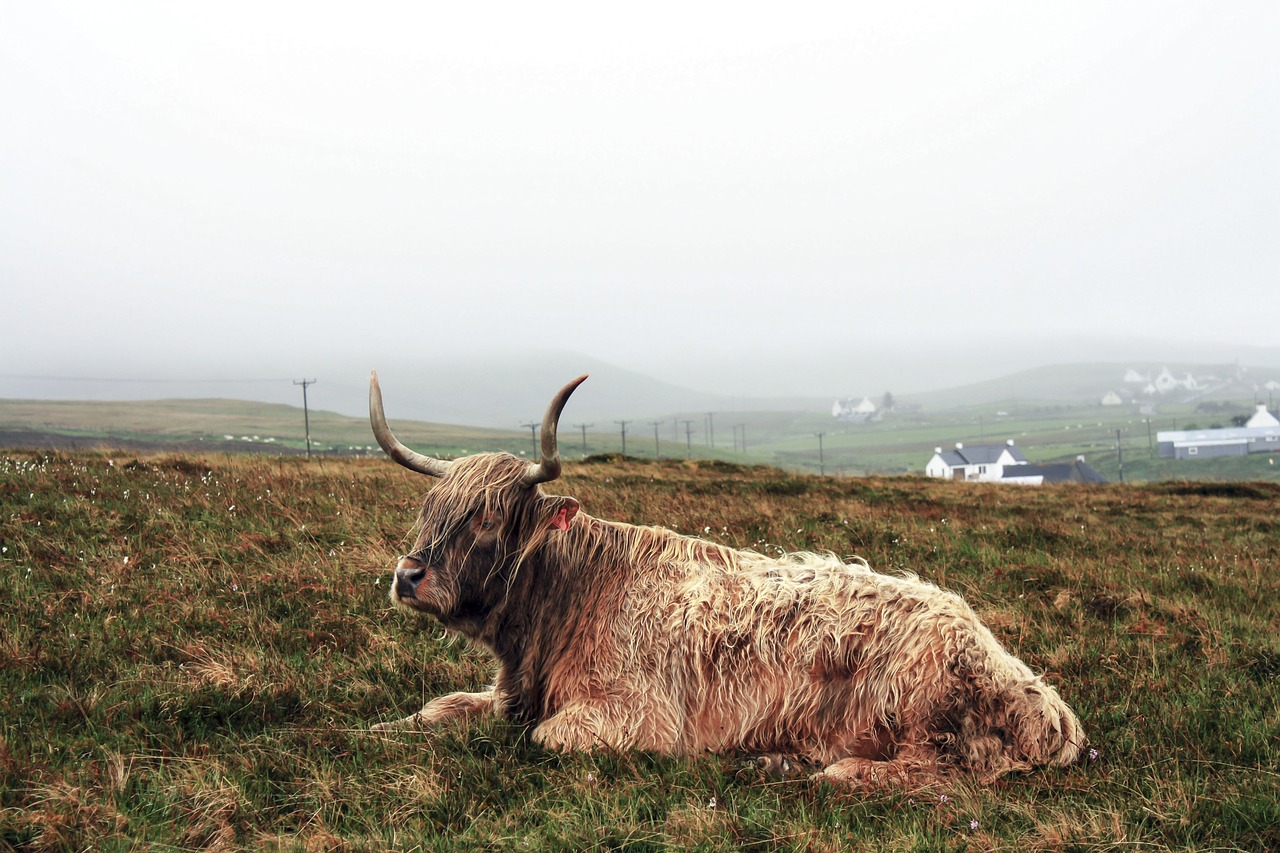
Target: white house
(1111, 398)
(1133, 377)
(983, 463)
(1262, 418)
(848, 410)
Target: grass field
(225, 425)
(192, 649)
(1047, 431)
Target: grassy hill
(1053, 413)
(192, 648)
(224, 425)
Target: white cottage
(1262, 418)
(983, 463)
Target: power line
(583, 427)
(655, 425)
(624, 435)
(533, 436)
(306, 415)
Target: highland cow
(614, 636)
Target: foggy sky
(720, 194)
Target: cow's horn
(397, 451)
(549, 468)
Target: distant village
(1006, 463)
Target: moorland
(193, 648)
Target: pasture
(193, 647)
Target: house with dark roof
(1065, 472)
(1005, 463)
(983, 462)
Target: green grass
(192, 649)
(1047, 431)
(228, 425)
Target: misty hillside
(1082, 383)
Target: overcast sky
(254, 189)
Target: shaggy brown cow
(613, 636)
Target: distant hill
(231, 425)
(1078, 383)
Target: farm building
(849, 410)
(1065, 472)
(1262, 418)
(1260, 435)
(1004, 463)
(984, 462)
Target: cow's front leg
(442, 709)
(607, 725)
(911, 768)
(574, 728)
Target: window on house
(982, 469)
(1192, 451)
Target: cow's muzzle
(409, 573)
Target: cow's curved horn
(413, 461)
(549, 468)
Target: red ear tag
(561, 519)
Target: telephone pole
(533, 437)
(822, 465)
(1119, 457)
(624, 435)
(583, 427)
(306, 415)
(655, 425)
(688, 439)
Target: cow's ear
(564, 513)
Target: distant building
(1262, 418)
(849, 410)
(982, 463)
(1004, 463)
(1210, 443)
(1166, 382)
(1111, 398)
(1066, 472)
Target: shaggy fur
(614, 636)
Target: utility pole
(743, 427)
(1151, 449)
(822, 464)
(306, 416)
(533, 437)
(711, 429)
(1119, 458)
(583, 427)
(688, 439)
(655, 425)
(624, 435)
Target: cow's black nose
(409, 573)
